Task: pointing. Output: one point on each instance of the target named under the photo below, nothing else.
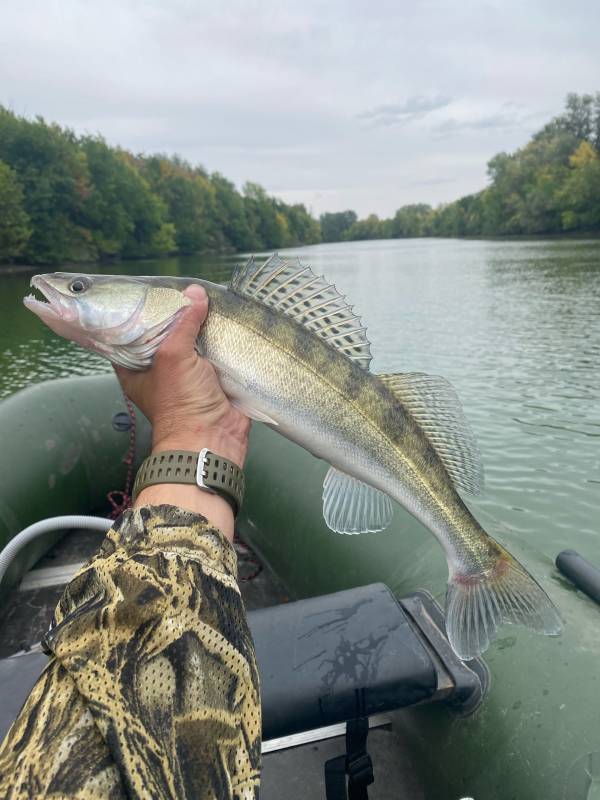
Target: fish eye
(79, 285)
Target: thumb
(182, 339)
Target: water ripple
(514, 325)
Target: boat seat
(337, 658)
(354, 653)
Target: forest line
(67, 198)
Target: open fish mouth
(52, 305)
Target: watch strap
(206, 470)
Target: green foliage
(53, 173)
(334, 226)
(231, 215)
(14, 222)
(369, 228)
(189, 198)
(122, 214)
(263, 219)
(410, 221)
(549, 186)
(580, 194)
(67, 198)
(302, 227)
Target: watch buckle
(202, 470)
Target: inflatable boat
(521, 723)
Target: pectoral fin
(351, 506)
(231, 384)
(253, 413)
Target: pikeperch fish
(290, 351)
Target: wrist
(217, 440)
(211, 506)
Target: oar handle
(581, 572)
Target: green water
(514, 325)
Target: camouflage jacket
(152, 689)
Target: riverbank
(11, 269)
(123, 263)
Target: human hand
(181, 397)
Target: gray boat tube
(31, 532)
(66, 448)
(581, 572)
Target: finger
(183, 337)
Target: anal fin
(351, 506)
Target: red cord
(121, 500)
(246, 557)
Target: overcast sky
(337, 104)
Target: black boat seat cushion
(332, 658)
(321, 661)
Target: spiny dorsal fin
(351, 506)
(434, 404)
(294, 289)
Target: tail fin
(476, 605)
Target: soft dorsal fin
(434, 404)
(292, 288)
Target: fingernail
(195, 291)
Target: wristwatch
(206, 470)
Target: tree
(302, 227)
(580, 195)
(109, 211)
(410, 221)
(579, 115)
(231, 216)
(189, 198)
(54, 177)
(334, 226)
(369, 228)
(261, 213)
(14, 222)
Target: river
(514, 325)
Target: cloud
(271, 91)
(500, 121)
(399, 114)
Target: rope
(121, 500)
(246, 558)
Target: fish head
(122, 318)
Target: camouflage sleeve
(152, 687)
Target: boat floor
(295, 772)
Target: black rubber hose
(577, 569)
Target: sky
(333, 103)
